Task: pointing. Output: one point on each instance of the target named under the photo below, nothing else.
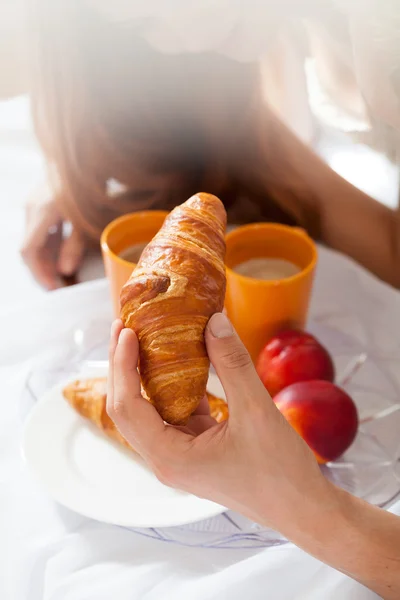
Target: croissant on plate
(177, 285)
(88, 398)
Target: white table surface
(49, 553)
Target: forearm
(355, 224)
(340, 215)
(357, 539)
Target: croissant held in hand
(177, 285)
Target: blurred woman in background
(139, 105)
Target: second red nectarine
(322, 414)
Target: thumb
(71, 253)
(233, 364)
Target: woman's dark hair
(107, 106)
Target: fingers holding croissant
(88, 397)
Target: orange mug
(260, 308)
(126, 232)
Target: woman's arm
(342, 216)
(357, 539)
(254, 463)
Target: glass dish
(370, 469)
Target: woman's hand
(45, 249)
(254, 463)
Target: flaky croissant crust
(177, 285)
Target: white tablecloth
(49, 553)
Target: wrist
(304, 517)
(329, 515)
(318, 518)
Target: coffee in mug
(267, 269)
(269, 275)
(132, 253)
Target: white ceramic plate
(91, 475)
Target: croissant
(177, 285)
(88, 398)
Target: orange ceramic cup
(119, 235)
(259, 309)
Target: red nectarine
(322, 414)
(293, 356)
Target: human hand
(47, 253)
(253, 463)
